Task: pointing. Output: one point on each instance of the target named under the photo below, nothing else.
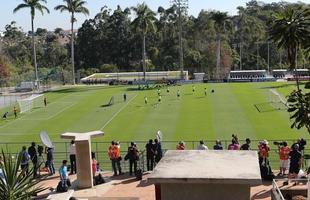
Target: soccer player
(194, 89)
(125, 97)
(206, 92)
(145, 100)
(5, 115)
(168, 90)
(158, 92)
(159, 99)
(178, 94)
(45, 101)
(15, 111)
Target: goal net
(34, 101)
(276, 100)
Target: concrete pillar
(83, 156)
(84, 164)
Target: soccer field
(194, 116)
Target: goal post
(27, 104)
(276, 100)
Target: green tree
(220, 18)
(33, 5)
(144, 23)
(73, 7)
(290, 29)
(17, 185)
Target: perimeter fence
(100, 149)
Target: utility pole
(257, 55)
(182, 7)
(240, 48)
(268, 58)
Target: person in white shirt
(72, 151)
(202, 146)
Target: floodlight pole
(182, 6)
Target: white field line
(122, 108)
(54, 115)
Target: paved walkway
(127, 186)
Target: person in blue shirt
(63, 170)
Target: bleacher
(133, 77)
(263, 75)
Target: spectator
(1, 166)
(133, 156)
(263, 152)
(284, 152)
(234, 145)
(246, 146)
(114, 155)
(181, 146)
(50, 161)
(72, 151)
(158, 151)
(218, 145)
(150, 153)
(295, 162)
(301, 143)
(1, 161)
(94, 163)
(32, 151)
(63, 170)
(24, 163)
(202, 146)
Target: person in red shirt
(284, 152)
(181, 146)
(115, 157)
(263, 152)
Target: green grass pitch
(194, 116)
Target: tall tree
(33, 5)
(290, 29)
(73, 7)
(220, 19)
(144, 23)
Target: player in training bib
(145, 100)
(159, 99)
(168, 90)
(205, 91)
(158, 92)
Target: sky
(56, 19)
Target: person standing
(72, 151)
(114, 155)
(202, 146)
(158, 150)
(145, 100)
(206, 92)
(24, 160)
(50, 160)
(32, 151)
(125, 97)
(45, 101)
(263, 152)
(15, 111)
(246, 146)
(150, 153)
(284, 153)
(133, 156)
(295, 162)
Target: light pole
(182, 7)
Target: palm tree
(219, 19)
(144, 23)
(290, 29)
(73, 7)
(33, 5)
(15, 185)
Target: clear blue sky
(56, 19)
